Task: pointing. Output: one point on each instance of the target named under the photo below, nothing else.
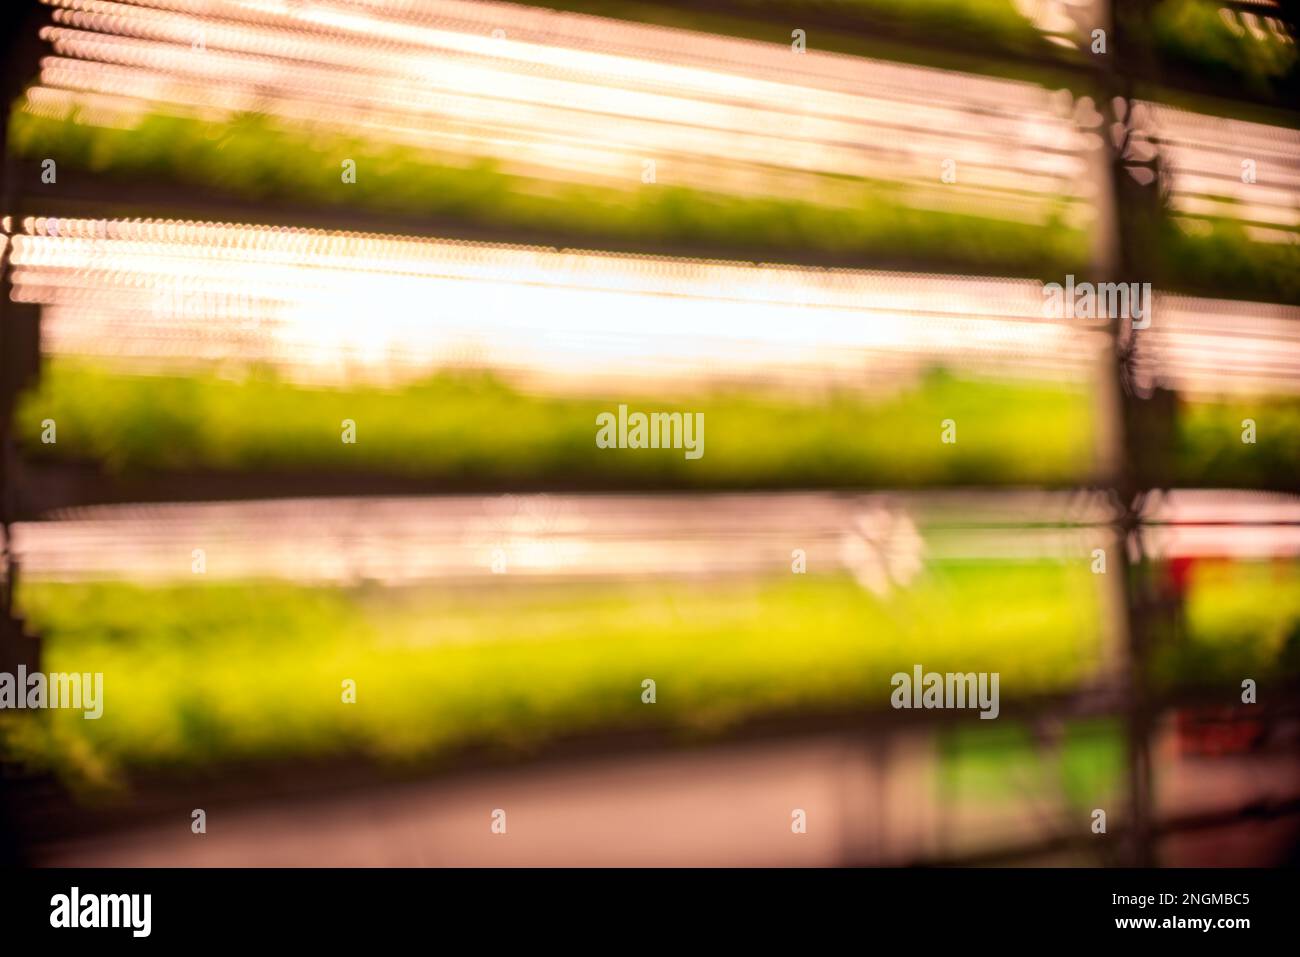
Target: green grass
(251, 157)
(198, 673)
(474, 427)
(1209, 450)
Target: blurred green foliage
(227, 671)
(252, 157)
(1082, 763)
(1220, 259)
(1241, 619)
(994, 25)
(1209, 451)
(1196, 34)
(475, 427)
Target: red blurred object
(1180, 572)
(1211, 732)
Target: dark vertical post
(19, 355)
(1146, 429)
(19, 326)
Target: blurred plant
(253, 157)
(1018, 431)
(1229, 44)
(224, 671)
